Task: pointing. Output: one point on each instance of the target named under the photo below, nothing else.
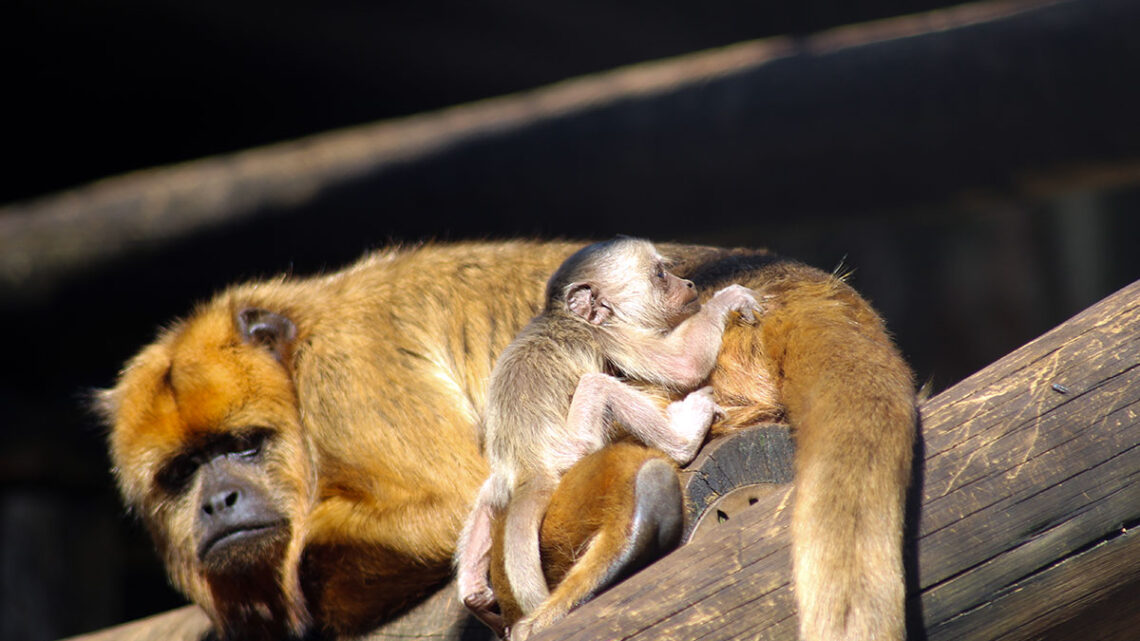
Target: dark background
(982, 182)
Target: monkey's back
(529, 397)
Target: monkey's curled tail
(522, 560)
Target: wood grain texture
(1032, 479)
(439, 618)
(758, 455)
(183, 624)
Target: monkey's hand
(689, 420)
(736, 298)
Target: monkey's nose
(689, 284)
(220, 502)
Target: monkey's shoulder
(548, 357)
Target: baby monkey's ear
(584, 302)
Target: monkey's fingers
(759, 307)
(747, 316)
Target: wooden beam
(438, 618)
(188, 623)
(1032, 480)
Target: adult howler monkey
(304, 451)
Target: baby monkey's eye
(660, 271)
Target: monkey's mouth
(690, 307)
(691, 299)
(242, 540)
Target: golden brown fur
(374, 458)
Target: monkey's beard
(245, 550)
(254, 589)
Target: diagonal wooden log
(1022, 528)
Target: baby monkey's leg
(473, 560)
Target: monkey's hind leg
(625, 531)
(473, 560)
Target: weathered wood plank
(1031, 459)
(438, 618)
(186, 623)
(1043, 606)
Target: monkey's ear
(583, 301)
(267, 329)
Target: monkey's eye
(660, 271)
(248, 446)
(176, 475)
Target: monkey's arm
(684, 357)
(398, 551)
(601, 399)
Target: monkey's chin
(241, 548)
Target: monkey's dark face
(207, 447)
(237, 522)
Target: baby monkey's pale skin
(612, 307)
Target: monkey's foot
(484, 606)
(536, 622)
